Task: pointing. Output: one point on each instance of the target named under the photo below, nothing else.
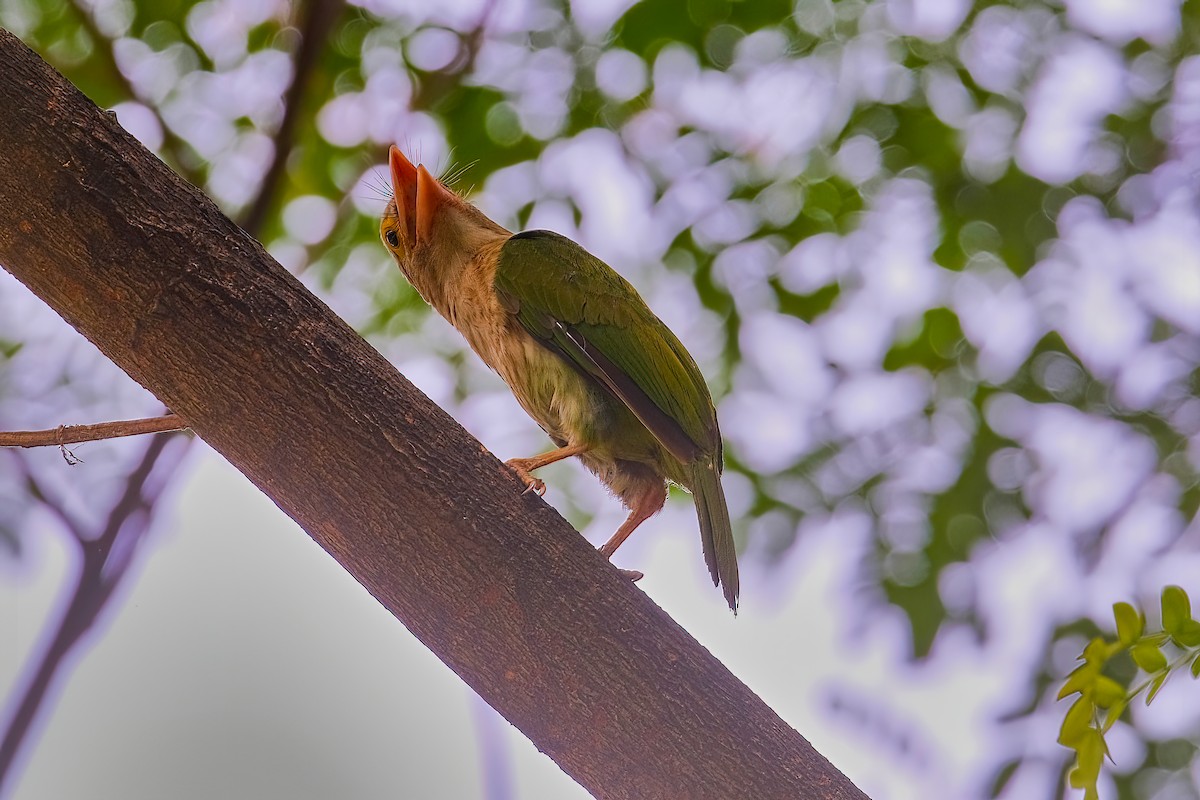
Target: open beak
(419, 195)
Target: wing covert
(581, 308)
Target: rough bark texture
(493, 581)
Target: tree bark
(490, 579)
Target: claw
(524, 467)
(632, 574)
(532, 484)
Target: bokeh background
(939, 260)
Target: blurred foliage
(866, 179)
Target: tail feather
(716, 532)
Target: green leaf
(1076, 723)
(1155, 686)
(1148, 657)
(1106, 692)
(1114, 713)
(1096, 653)
(1129, 623)
(1196, 666)
(1176, 609)
(1090, 755)
(1080, 680)
(1188, 634)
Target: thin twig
(74, 434)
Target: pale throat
(459, 261)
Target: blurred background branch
(104, 557)
(316, 21)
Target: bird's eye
(392, 238)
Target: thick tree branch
(493, 581)
(74, 434)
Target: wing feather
(578, 306)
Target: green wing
(577, 305)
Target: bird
(581, 351)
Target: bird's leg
(524, 467)
(644, 506)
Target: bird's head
(431, 231)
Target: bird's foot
(632, 574)
(532, 483)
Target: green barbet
(583, 353)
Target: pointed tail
(716, 533)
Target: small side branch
(74, 434)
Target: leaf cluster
(1102, 699)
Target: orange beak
(419, 195)
(404, 187)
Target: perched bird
(585, 356)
